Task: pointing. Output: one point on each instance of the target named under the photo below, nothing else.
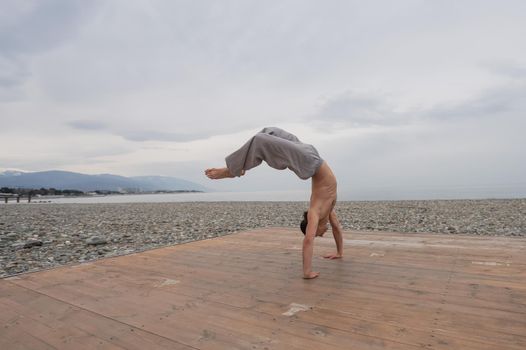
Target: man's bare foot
(218, 173)
(311, 275)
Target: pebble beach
(40, 236)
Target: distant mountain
(12, 172)
(106, 182)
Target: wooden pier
(245, 291)
(7, 196)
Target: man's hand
(333, 256)
(311, 275)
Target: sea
(285, 196)
(264, 196)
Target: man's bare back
(323, 192)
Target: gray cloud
(507, 69)
(434, 160)
(96, 154)
(352, 110)
(151, 135)
(137, 134)
(490, 103)
(133, 134)
(36, 164)
(12, 73)
(31, 27)
(87, 125)
(495, 101)
(369, 77)
(356, 110)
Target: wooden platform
(245, 291)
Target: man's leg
(235, 163)
(275, 151)
(275, 146)
(280, 133)
(263, 146)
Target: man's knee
(268, 130)
(262, 138)
(280, 133)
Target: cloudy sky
(404, 99)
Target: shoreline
(36, 237)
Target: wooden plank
(63, 326)
(203, 309)
(391, 291)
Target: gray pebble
(66, 230)
(96, 240)
(18, 245)
(33, 243)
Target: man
(281, 150)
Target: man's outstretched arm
(308, 246)
(338, 237)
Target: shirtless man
(281, 150)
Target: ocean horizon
(276, 196)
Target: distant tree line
(54, 192)
(42, 191)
